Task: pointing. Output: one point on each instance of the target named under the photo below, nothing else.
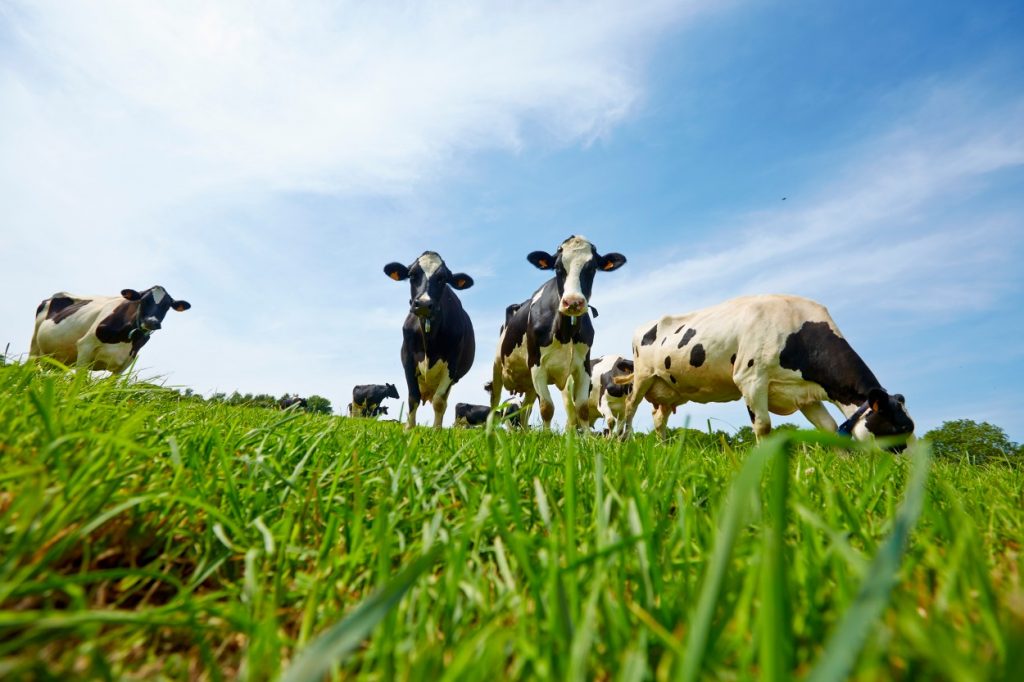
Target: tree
(317, 404)
(978, 442)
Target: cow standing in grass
(547, 338)
(437, 338)
(779, 354)
(100, 332)
(607, 396)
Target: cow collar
(137, 327)
(846, 429)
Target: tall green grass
(146, 536)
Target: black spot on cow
(697, 355)
(668, 362)
(63, 307)
(679, 329)
(690, 333)
(824, 357)
(751, 413)
(732, 360)
(672, 378)
(664, 340)
(750, 363)
(649, 337)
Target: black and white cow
(607, 397)
(438, 343)
(779, 353)
(100, 332)
(547, 338)
(475, 415)
(366, 399)
(291, 401)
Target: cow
(475, 415)
(547, 338)
(291, 401)
(779, 353)
(438, 345)
(100, 332)
(367, 399)
(608, 398)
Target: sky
(265, 160)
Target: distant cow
(100, 332)
(607, 397)
(367, 399)
(291, 401)
(475, 415)
(779, 353)
(547, 338)
(438, 343)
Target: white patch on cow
(536, 296)
(158, 294)
(576, 253)
(430, 263)
(515, 372)
(560, 361)
(432, 379)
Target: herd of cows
(778, 353)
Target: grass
(144, 536)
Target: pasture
(143, 535)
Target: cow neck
(136, 334)
(568, 328)
(846, 428)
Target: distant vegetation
(315, 403)
(148, 536)
(975, 442)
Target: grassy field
(145, 536)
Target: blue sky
(265, 163)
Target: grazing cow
(100, 332)
(607, 397)
(475, 415)
(291, 401)
(779, 353)
(367, 399)
(438, 343)
(547, 338)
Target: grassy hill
(143, 535)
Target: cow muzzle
(150, 324)
(573, 305)
(422, 308)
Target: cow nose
(422, 308)
(574, 304)
(151, 324)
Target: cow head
(154, 303)
(391, 391)
(428, 276)
(886, 417)
(575, 263)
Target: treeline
(316, 404)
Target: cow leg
(540, 385)
(661, 413)
(756, 397)
(524, 413)
(86, 349)
(819, 416)
(641, 384)
(414, 393)
(581, 400)
(496, 384)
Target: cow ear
(877, 399)
(396, 271)
(131, 294)
(460, 280)
(900, 399)
(181, 306)
(611, 261)
(542, 260)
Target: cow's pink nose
(574, 305)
